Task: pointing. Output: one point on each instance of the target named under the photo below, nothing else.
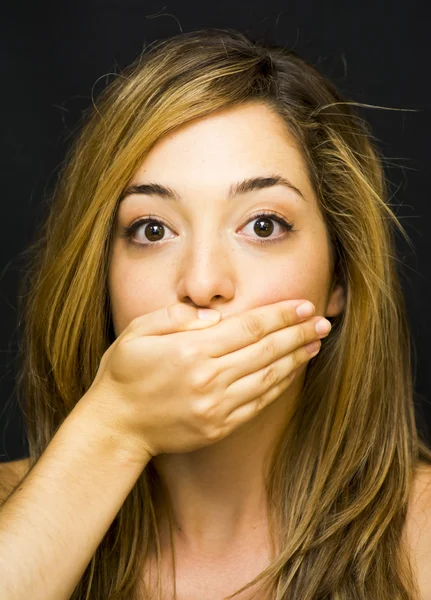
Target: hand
(173, 383)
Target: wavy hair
(340, 478)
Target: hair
(341, 475)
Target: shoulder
(418, 528)
(11, 473)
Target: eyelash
(129, 231)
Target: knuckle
(200, 378)
(253, 325)
(136, 323)
(206, 412)
(188, 354)
(122, 346)
(288, 318)
(297, 359)
(303, 337)
(213, 434)
(174, 313)
(270, 348)
(269, 376)
(260, 402)
(199, 410)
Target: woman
(219, 173)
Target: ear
(337, 300)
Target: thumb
(206, 317)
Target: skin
(209, 257)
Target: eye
(154, 229)
(264, 227)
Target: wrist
(106, 428)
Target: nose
(207, 273)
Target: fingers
(245, 411)
(174, 318)
(251, 394)
(238, 331)
(265, 352)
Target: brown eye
(153, 232)
(155, 229)
(264, 227)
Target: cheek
(133, 292)
(301, 275)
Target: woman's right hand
(174, 383)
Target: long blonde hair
(341, 475)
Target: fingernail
(314, 346)
(207, 314)
(305, 310)
(323, 326)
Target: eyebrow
(236, 189)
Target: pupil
(263, 227)
(152, 230)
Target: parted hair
(340, 477)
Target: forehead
(207, 155)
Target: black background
(57, 56)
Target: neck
(218, 493)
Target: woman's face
(209, 249)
